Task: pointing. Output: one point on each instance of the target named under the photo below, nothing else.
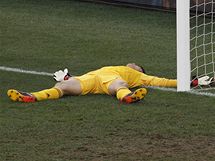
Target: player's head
(136, 67)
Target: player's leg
(52, 93)
(68, 87)
(120, 88)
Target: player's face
(134, 66)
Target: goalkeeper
(112, 80)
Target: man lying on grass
(112, 80)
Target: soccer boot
(135, 96)
(20, 96)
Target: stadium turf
(52, 34)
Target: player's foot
(135, 96)
(20, 96)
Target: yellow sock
(52, 93)
(122, 92)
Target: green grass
(49, 35)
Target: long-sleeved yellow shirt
(99, 80)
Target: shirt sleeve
(156, 81)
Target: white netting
(202, 38)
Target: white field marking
(191, 92)
(18, 70)
(205, 89)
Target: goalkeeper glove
(61, 75)
(203, 81)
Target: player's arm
(161, 82)
(164, 82)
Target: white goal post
(183, 45)
(195, 41)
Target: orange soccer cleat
(135, 96)
(20, 96)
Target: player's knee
(123, 84)
(115, 85)
(63, 86)
(70, 87)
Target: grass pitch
(49, 35)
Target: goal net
(195, 41)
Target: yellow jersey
(99, 80)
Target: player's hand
(203, 81)
(61, 75)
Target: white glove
(204, 81)
(61, 75)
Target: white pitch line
(191, 92)
(18, 70)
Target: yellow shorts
(97, 83)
